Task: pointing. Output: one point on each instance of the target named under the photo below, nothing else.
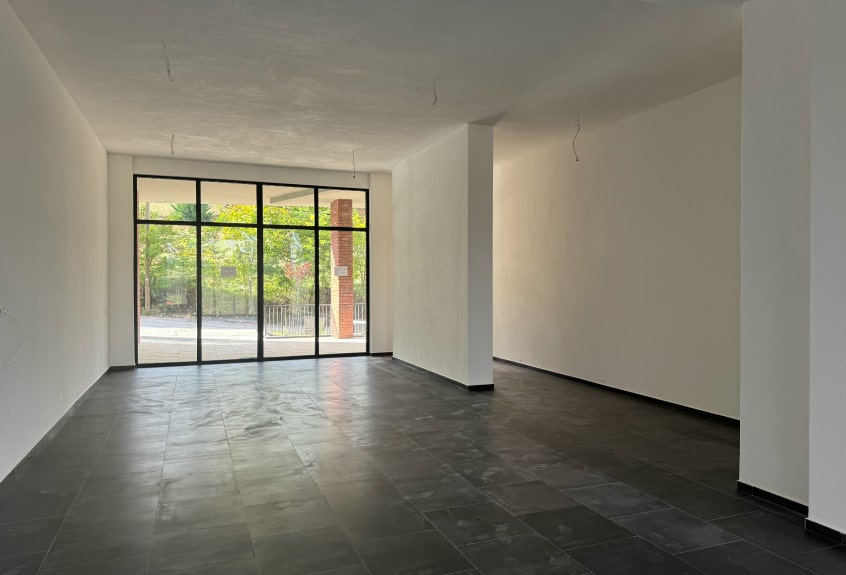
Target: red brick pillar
(343, 297)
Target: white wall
(775, 246)
(121, 262)
(623, 268)
(53, 245)
(122, 275)
(381, 220)
(827, 481)
(442, 255)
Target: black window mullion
(316, 278)
(260, 270)
(199, 248)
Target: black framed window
(249, 271)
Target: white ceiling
(306, 82)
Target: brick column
(343, 297)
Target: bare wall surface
(827, 481)
(775, 246)
(623, 268)
(381, 219)
(442, 257)
(53, 246)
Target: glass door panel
(289, 311)
(230, 286)
(167, 293)
(343, 292)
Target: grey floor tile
(21, 564)
(448, 491)
(74, 548)
(127, 566)
(615, 499)
(568, 475)
(632, 556)
(200, 485)
(773, 532)
(199, 513)
(201, 549)
(741, 558)
(527, 554)
(574, 527)
(38, 496)
(675, 531)
(288, 513)
(488, 471)
(829, 561)
(27, 537)
(529, 455)
(305, 552)
(426, 552)
(342, 470)
(91, 512)
(476, 523)
(529, 497)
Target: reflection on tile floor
(362, 466)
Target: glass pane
(167, 293)
(288, 206)
(288, 293)
(230, 321)
(342, 208)
(160, 199)
(343, 292)
(230, 203)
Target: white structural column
(121, 262)
(775, 246)
(793, 228)
(443, 209)
(828, 268)
(380, 222)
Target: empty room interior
(422, 287)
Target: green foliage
(167, 256)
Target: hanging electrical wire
(354, 170)
(4, 314)
(435, 92)
(172, 138)
(167, 63)
(578, 129)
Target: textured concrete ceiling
(306, 82)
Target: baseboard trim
(115, 368)
(725, 420)
(823, 531)
(382, 354)
(769, 497)
(473, 388)
(48, 438)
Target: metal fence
(298, 320)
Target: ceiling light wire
(167, 63)
(172, 138)
(435, 91)
(24, 340)
(578, 129)
(354, 170)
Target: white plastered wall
(623, 269)
(53, 246)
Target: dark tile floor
(362, 466)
